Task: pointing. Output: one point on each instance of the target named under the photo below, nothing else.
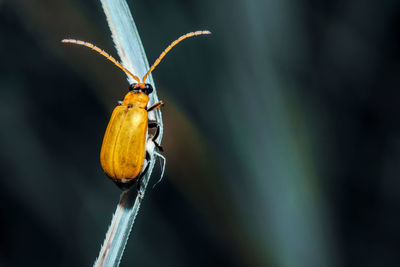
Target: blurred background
(282, 134)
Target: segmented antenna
(177, 41)
(155, 64)
(103, 53)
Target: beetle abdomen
(123, 150)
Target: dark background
(282, 134)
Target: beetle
(126, 147)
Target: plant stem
(129, 46)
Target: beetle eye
(132, 87)
(148, 89)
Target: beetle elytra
(125, 147)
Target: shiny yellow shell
(124, 145)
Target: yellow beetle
(124, 152)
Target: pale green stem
(131, 52)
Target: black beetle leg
(154, 124)
(155, 137)
(155, 106)
(160, 148)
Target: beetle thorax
(136, 99)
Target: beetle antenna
(177, 41)
(103, 53)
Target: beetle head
(141, 87)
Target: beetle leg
(155, 106)
(160, 148)
(157, 133)
(155, 124)
(148, 158)
(155, 137)
(163, 166)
